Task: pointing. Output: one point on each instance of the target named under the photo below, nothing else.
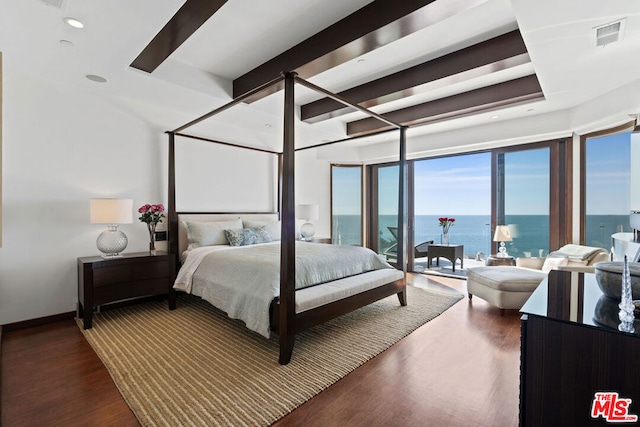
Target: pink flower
(151, 214)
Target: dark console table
(450, 252)
(571, 349)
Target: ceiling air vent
(609, 33)
(56, 3)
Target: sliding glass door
(523, 200)
(525, 187)
(385, 223)
(607, 170)
(457, 187)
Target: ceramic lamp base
(307, 231)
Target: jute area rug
(195, 367)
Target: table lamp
(502, 235)
(307, 213)
(111, 212)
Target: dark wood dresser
(134, 275)
(571, 349)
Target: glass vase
(444, 239)
(152, 239)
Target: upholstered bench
(504, 286)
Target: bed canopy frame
(288, 321)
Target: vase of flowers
(445, 223)
(151, 215)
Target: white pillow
(552, 263)
(209, 233)
(273, 227)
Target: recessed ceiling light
(73, 22)
(96, 78)
(494, 117)
(66, 43)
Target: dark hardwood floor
(460, 369)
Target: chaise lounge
(508, 287)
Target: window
(383, 209)
(346, 204)
(607, 164)
(527, 187)
(524, 200)
(456, 187)
(387, 210)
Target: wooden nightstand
(321, 240)
(106, 280)
(317, 240)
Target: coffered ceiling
(434, 65)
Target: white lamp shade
(111, 211)
(502, 234)
(307, 212)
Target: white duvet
(242, 281)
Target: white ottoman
(504, 286)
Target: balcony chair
(419, 250)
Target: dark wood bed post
(287, 324)
(402, 210)
(172, 215)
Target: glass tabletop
(575, 297)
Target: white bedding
(245, 288)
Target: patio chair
(419, 250)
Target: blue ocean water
(530, 232)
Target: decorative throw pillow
(273, 227)
(552, 263)
(247, 236)
(209, 233)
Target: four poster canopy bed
(251, 266)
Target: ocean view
(530, 232)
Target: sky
(608, 168)
(449, 186)
(461, 185)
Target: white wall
(62, 146)
(635, 172)
(217, 178)
(312, 179)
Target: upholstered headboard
(213, 217)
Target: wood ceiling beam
(180, 27)
(374, 25)
(481, 59)
(486, 98)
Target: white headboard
(209, 217)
